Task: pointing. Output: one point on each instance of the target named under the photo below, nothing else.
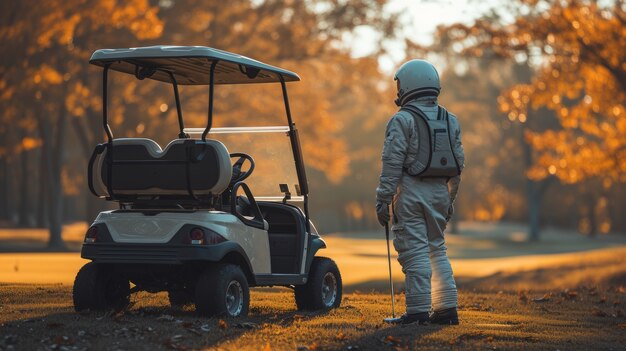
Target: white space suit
(423, 205)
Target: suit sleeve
(453, 184)
(393, 156)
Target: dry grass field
(565, 293)
(41, 318)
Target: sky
(419, 20)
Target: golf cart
(182, 225)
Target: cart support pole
(105, 118)
(297, 154)
(211, 90)
(179, 111)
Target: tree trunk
(24, 199)
(54, 157)
(4, 189)
(533, 199)
(87, 141)
(56, 187)
(42, 199)
(534, 210)
(593, 220)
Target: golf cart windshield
(270, 148)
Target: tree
(47, 83)
(576, 49)
(49, 44)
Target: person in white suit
(422, 160)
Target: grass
(41, 317)
(565, 293)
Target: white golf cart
(182, 226)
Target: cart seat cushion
(138, 166)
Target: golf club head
(392, 320)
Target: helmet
(416, 78)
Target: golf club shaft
(393, 302)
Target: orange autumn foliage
(577, 49)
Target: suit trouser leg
(418, 238)
(411, 243)
(444, 292)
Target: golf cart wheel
(223, 290)
(98, 287)
(180, 298)
(323, 288)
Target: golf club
(393, 303)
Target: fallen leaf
(222, 324)
(63, 340)
(390, 340)
(267, 347)
(570, 294)
(340, 336)
(118, 315)
(172, 343)
(193, 331)
(544, 298)
(523, 297)
(598, 312)
(623, 325)
(489, 339)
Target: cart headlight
(199, 236)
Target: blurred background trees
(538, 86)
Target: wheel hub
(329, 289)
(234, 298)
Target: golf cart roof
(190, 65)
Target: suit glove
(382, 211)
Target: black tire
(222, 290)
(180, 298)
(324, 282)
(99, 287)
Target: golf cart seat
(137, 167)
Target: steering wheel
(238, 174)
